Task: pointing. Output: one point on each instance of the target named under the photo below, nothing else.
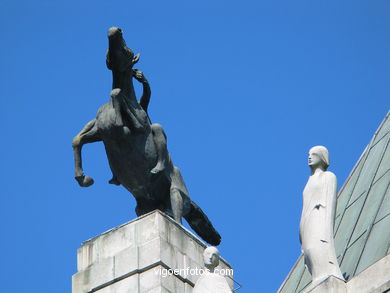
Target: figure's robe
(316, 227)
(211, 283)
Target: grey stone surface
(127, 258)
(329, 285)
(137, 149)
(128, 285)
(375, 279)
(93, 276)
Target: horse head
(119, 57)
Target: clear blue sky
(243, 90)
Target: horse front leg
(89, 134)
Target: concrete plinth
(329, 285)
(375, 279)
(137, 256)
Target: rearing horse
(136, 149)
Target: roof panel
(377, 244)
(369, 169)
(383, 129)
(345, 230)
(305, 281)
(385, 164)
(351, 257)
(293, 280)
(346, 192)
(385, 208)
(371, 206)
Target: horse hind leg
(160, 141)
(176, 204)
(143, 207)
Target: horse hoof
(126, 130)
(88, 181)
(114, 181)
(84, 181)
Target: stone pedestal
(140, 256)
(375, 279)
(329, 285)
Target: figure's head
(119, 57)
(319, 156)
(211, 257)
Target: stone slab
(329, 285)
(375, 279)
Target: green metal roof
(362, 224)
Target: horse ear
(136, 58)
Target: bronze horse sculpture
(137, 149)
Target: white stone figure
(211, 281)
(317, 220)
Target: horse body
(136, 149)
(129, 164)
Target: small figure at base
(211, 282)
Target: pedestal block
(329, 285)
(150, 254)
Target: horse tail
(199, 222)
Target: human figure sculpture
(210, 281)
(317, 220)
(137, 149)
(159, 135)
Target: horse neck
(124, 81)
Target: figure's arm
(145, 99)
